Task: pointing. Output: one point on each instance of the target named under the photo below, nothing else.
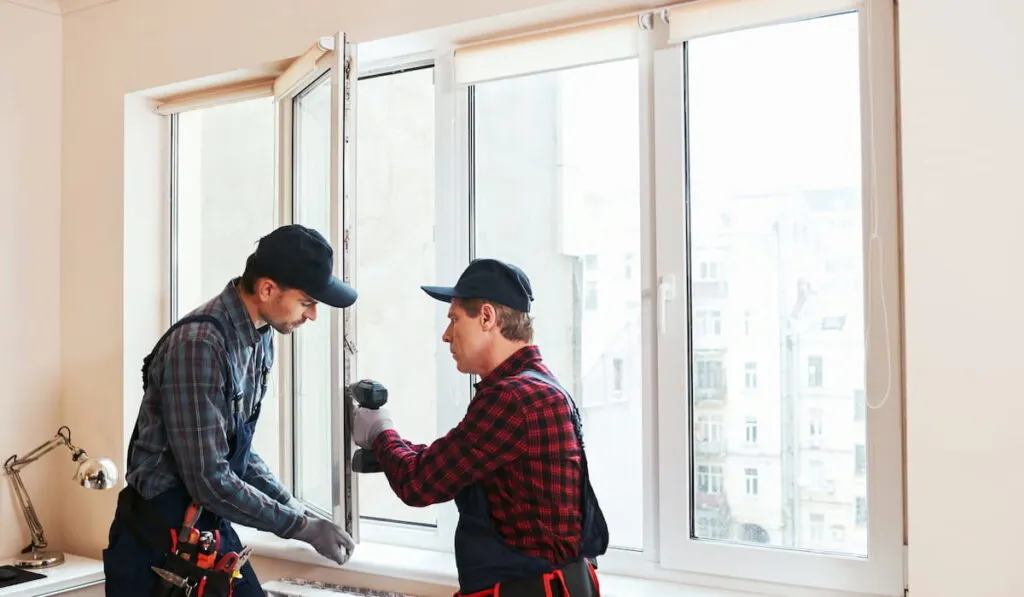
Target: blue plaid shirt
(185, 420)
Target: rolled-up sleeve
(195, 413)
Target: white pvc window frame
(452, 253)
(670, 552)
(333, 62)
(882, 571)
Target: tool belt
(578, 579)
(191, 565)
(179, 577)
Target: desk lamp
(92, 473)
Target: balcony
(709, 396)
(710, 290)
(710, 501)
(710, 447)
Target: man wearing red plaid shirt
(529, 522)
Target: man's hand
(367, 424)
(327, 539)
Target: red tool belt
(578, 579)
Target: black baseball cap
(489, 279)
(299, 257)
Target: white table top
(75, 573)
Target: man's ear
(265, 288)
(488, 317)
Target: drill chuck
(369, 394)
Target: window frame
(332, 63)
(669, 551)
(882, 572)
(452, 242)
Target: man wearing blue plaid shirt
(204, 384)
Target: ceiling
(59, 7)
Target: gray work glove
(327, 539)
(367, 424)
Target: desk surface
(76, 572)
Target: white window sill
(75, 573)
(438, 568)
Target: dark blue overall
(140, 533)
(484, 559)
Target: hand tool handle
(365, 461)
(227, 562)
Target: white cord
(875, 267)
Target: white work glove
(327, 539)
(367, 424)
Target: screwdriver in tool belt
(189, 534)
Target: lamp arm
(12, 468)
(35, 528)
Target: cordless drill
(373, 395)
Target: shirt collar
(519, 361)
(239, 315)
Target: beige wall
(111, 51)
(963, 89)
(30, 96)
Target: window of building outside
(750, 376)
(860, 459)
(817, 527)
(751, 475)
(814, 372)
(751, 431)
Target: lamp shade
(96, 473)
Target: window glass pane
(557, 193)
(225, 194)
(224, 202)
(395, 234)
(311, 177)
(776, 243)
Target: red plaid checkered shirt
(517, 440)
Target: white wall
(962, 91)
(30, 96)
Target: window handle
(666, 293)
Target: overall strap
(574, 413)
(148, 360)
(595, 514)
(198, 318)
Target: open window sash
(314, 94)
(301, 92)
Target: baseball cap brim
(336, 294)
(441, 293)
